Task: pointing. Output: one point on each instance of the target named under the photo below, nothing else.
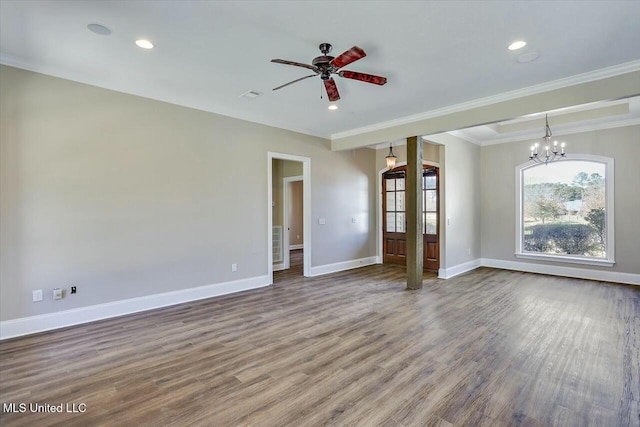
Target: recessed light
(517, 45)
(99, 29)
(332, 107)
(145, 44)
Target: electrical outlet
(74, 290)
(234, 267)
(37, 295)
(57, 293)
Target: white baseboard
(45, 322)
(558, 270)
(344, 265)
(294, 247)
(554, 270)
(448, 273)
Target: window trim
(609, 214)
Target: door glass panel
(430, 223)
(390, 184)
(399, 201)
(391, 201)
(391, 222)
(400, 184)
(430, 181)
(400, 223)
(431, 200)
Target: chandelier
(550, 152)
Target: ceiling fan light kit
(325, 66)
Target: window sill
(567, 259)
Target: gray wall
(124, 196)
(460, 184)
(498, 195)
(281, 169)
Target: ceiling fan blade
(297, 64)
(348, 57)
(296, 80)
(332, 90)
(368, 78)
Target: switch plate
(37, 295)
(321, 221)
(57, 293)
(234, 267)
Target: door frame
(379, 208)
(306, 207)
(285, 218)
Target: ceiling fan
(325, 65)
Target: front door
(394, 216)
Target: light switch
(321, 221)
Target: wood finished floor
(490, 347)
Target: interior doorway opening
(289, 216)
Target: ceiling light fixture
(519, 44)
(391, 158)
(145, 44)
(99, 29)
(251, 94)
(550, 153)
(332, 107)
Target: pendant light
(391, 158)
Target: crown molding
(579, 129)
(599, 74)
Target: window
(565, 210)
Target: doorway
(394, 223)
(293, 221)
(275, 219)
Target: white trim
(602, 73)
(344, 265)
(306, 207)
(294, 247)
(61, 319)
(565, 258)
(379, 207)
(558, 270)
(285, 218)
(448, 273)
(609, 213)
(278, 267)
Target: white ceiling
(434, 53)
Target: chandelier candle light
(550, 153)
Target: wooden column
(414, 212)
